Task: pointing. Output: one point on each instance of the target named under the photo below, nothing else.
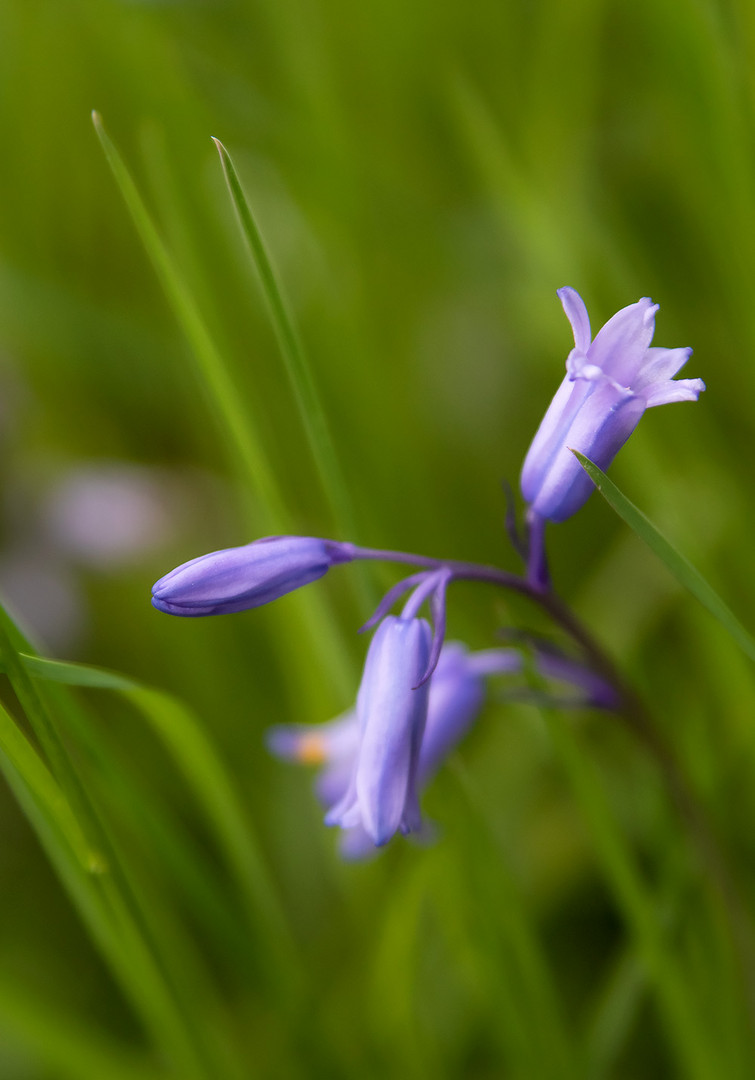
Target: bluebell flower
(246, 577)
(594, 689)
(608, 385)
(332, 746)
(456, 695)
(391, 710)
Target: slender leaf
(149, 968)
(529, 970)
(640, 909)
(73, 674)
(207, 778)
(296, 362)
(236, 422)
(682, 569)
(209, 781)
(70, 1047)
(26, 763)
(234, 419)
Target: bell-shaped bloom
(594, 689)
(391, 711)
(246, 577)
(332, 746)
(608, 385)
(456, 695)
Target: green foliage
(424, 176)
(682, 569)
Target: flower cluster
(420, 694)
(355, 785)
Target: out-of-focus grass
(424, 177)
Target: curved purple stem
(390, 599)
(438, 612)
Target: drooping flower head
(608, 385)
(391, 711)
(246, 577)
(456, 695)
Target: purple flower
(595, 689)
(391, 710)
(334, 746)
(456, 696)
(608, 385)
(246, 577)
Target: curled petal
(576, 313)
(659, 366)
(675, 390)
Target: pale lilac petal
(576, 313)
(621, 345)
(599, 431)
(356, 845)
(411, 818)
(675, 390)
(347, 813)
(659, 366)
(455, 703)
(332, 783)
(315, 743)
(392, 717)
(550, 436)
(494, 662)
(599, 692)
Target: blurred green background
(426, 175)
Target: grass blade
(317, 623)
(101, 884)
(74, 674)
(682, 569)
(206, 777)
(235, 422)
(295, 359)
(87, 877)
(687, 1034)
(69, 1047)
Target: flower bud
(246, 577)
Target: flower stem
(632, 710)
